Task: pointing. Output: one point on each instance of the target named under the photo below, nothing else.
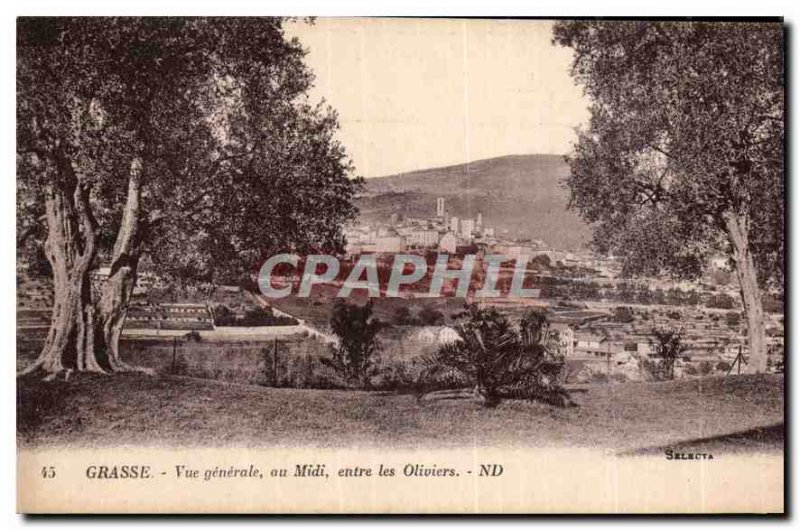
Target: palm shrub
(499, 360)
(357, 331)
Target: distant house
(467, 228)
(566, 338)
(169, 316)
(448, 243)
(454, 224)
(590, 344)
(101, 274)
(391, 241)
(423, 238)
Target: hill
(522, 196)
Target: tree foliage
(357, 331)
(668, 346)
(687, 125)
(238, 159)
(188, 139)
(683, 156)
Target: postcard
(400, 265)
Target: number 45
(48, 472)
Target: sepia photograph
(412, 265)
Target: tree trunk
(112, 310)
(70, 248)
(117, 290)
(738, 234)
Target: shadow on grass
(760, 439)
(449, 395)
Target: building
(467, 228)
(423, 238)
(440, 207)
(510, 252)
(590, 344)
(448, 243)
(566, 338)
(454, 225)
(169, 316)
(387, 244)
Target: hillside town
(590, 329)
(450, 234)
(604, 322)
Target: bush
(777, 362)
(733, 319)
(193, 336)
(357, 332)
(255, 317)
(541, 261)
(668, 346)
(721, 277)
(498, 360)
(623, 314)
(428, 316)
(772, 304)
(394, 375)
(311, 371)
(721, 301)
(402, 316)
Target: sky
(421, 93)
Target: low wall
(229, 333)
(253, 362)
(283, 358)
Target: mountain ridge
(522, 196)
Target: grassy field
(720, 414)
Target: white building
(440, 207)
(386, 244)
(423, 238)
(448, 243)
(454, 224)
(467, 228)
(590, 344)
